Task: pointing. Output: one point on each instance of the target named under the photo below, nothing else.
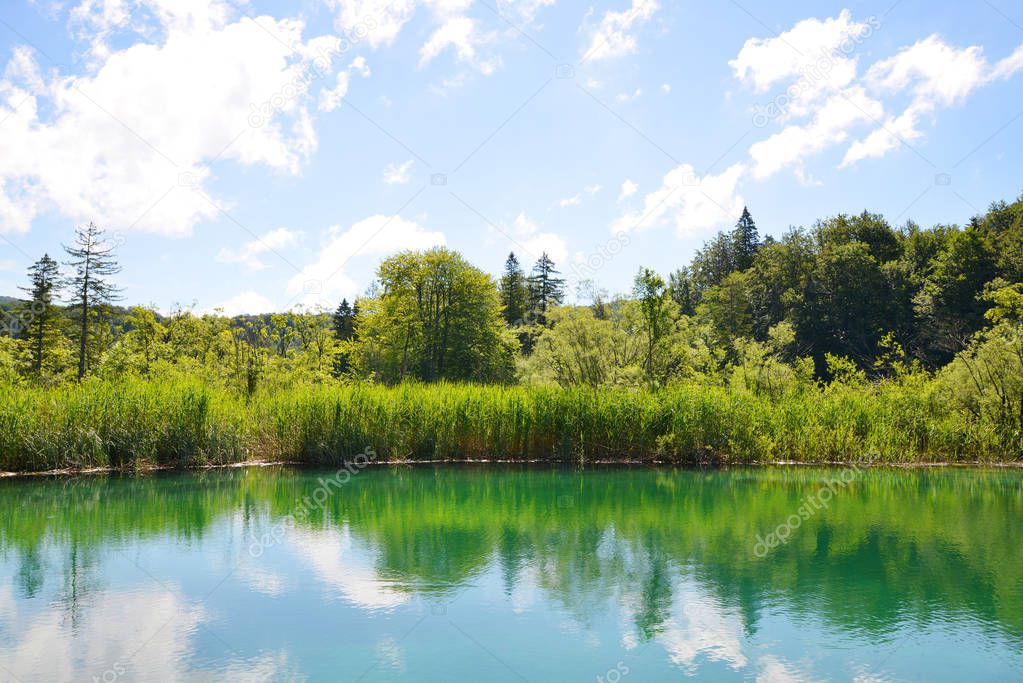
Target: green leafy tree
(712, 264)
(650, 291)
(777, 281)
(10, 350)
(92, 259)
(145, 335)
(435, 317)
(1003, 225)
(727, 307)
(950, 302)
(870, 229)
(986, 378)
(847, 305)
(681, 289)
(579, 349)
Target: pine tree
(344, 321)
(40, 313)
(546, 290)
(745, 241)
(513, 292)
(92, 259)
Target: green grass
(162, 423)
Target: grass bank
(175, 424)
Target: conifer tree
(39, 314)
(513, 292)
(344, 321)
(745, 241)
(546, 289)
(92, 258)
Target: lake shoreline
(718, 465)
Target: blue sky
(260, 155)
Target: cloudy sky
(257, 155)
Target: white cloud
(692, 203)
(629, 97)
(816, 60)
(931, 70)
(524, 10)
(629, 188)
(377, 22)
(577, 199)
(1009, 66)
(461, 34)
(613, 36)
(327, 278)
(528, 236)
(890, 136)
(248, 254)
(814, 51)
(248, 302)
(83, 148)
(935, 75)
(829, 126)
(398, 174)
(665, 88)
(330, 98)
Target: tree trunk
(84, 331)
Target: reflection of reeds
(166, 423)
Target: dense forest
(850, 302)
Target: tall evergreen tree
(344, 321)
(546, 289)
(745, 241)
(92, 259)
(40, 314)
(513, 292)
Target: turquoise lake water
(509, 574)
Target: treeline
(836, 342)
(851, 300)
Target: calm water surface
(463, 574)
